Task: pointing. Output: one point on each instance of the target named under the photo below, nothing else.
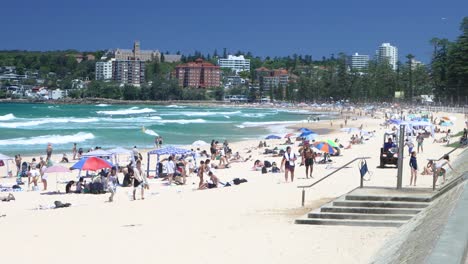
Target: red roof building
(198, 74)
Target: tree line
(328, 78)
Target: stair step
(385, 204)
(392, 217)
(370, 210)
(348, 222)
(387, 198)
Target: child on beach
(414, 168)
(112, 183)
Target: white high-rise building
(104, 70)
(236, 63)
(389, 53)
(358, 61)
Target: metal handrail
(328, 175)
(434, 179)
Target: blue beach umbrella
(311, 137)
(307, 133)
(304, 130)
(273, 137)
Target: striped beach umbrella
(325, 147)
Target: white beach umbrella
(200, 143)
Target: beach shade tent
(273, 137)
(303, 129)
(169, 150)
(91, 163)
(117, 152)
(325, 147)
(56, 169)
(200, 143)
(414, 126)
(5, 159)
(98, 153)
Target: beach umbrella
(273, 137)
(92, 163)
(325, 147)
(200, 143)
(304, 129)
(306, 133)
(311, 137)
(56, 169)
(289, 135)
(332, 143)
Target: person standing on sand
(170, 166)
(308, 157)
(288, 163)
(18, 163)
(140, 177)
(420, 140)
(74, 151)
(414, 168)
(49, 152)
(201, 170)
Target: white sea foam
(43, 140)
(202, 113)
(175, 106)
(130, 111)
(270, 123)
(150, 132)
(155, 118)
(183, 121)
(42, 121)
(240, 126)
(7, 117)
(102, 105)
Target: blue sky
(274, 28)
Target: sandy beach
(252, 222)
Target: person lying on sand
(7, 198)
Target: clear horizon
(301, 27)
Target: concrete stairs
(367, 210)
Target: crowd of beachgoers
(203, 161)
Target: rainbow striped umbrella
(325, 147)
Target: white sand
(250, 223)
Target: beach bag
(264, 170)
(267, 163)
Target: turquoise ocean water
(27, 128)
